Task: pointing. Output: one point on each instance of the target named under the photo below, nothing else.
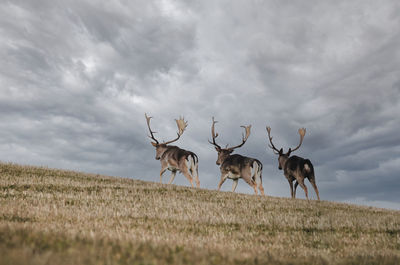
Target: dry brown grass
(63, 217)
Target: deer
(174, 158)
(237, 166)
(295, 167)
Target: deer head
(161, 147)
(223, 153)
(284, 156)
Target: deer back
(235, 163)
(175, 154)
(299, 164)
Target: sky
(76, 78)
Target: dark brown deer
(174, 158)
(236, 166)
(295, 167)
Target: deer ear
(281, 151)
(154, 144)
(216, 148)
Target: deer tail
(308, 168)
(194, 164)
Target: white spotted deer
(174, 158)
(236, 166)
(295, 167)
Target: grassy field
(62, 217)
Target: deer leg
(295, 187)
(258, 179)
(314, 186)
(234, 185)
(223, 178)
(161, 173)
(185, 168)
(252, 183)
(260, 187)
(187, 175)
(247, 176)
(197, 179)
(195, 170)
(172, 176)
(291, 188)
(301, 182)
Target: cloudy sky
(76, 78)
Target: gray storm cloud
(77, 77)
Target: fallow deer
(174, 158)
(295, 167)
(237, 166)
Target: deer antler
(272, 146)
(182, 124)
(151, 132)
(244, 137)
(213, 134)
(302, 132)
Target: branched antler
(272, 146)
(302, 132)
(244, 137)
(151, 132)
(182, 124)
(213, 134)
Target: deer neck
(283, 160)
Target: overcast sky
(76, 78)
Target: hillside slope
(62, 217)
